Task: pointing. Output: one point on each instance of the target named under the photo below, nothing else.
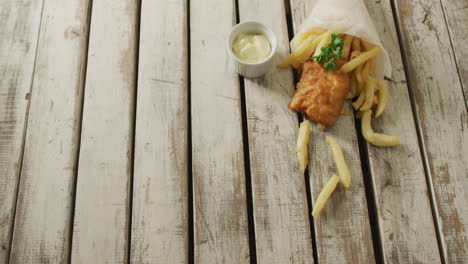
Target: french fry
(365, 71)
(348, 39)
(353, 89)
(358, 115)
(376, 139)
(298, 51)
(354, 54)
(302, 143)
(357, 74)
(356, 44)
(301, 58)
(325, 194)
(324, 42)
(313, 31)
(375, 101)
(367, 45)
(302, 52)
(372, 67)
(370, 89)
(363, 57)
(300, 39)
(362, 96)
(343, 171)
(383, 98)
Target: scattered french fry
(325, 194)
(376, 139)
(343, 171)
(363, 57)
(302, 143)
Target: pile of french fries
(361, 62)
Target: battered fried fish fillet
(320, 94)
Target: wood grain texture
(343, 232)
(19, 27)
(442, 115)
(101, 223)
(279, 195)
(406, 224)
(456, 15)
(159, 225)
(220, 210)
(44, 208)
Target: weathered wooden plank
(342, 230)
(442, 118)
(279, 195)
(19, 27)
(220, 211)
(456, 15)
(406, 225)
(43, 215)
(159, 225)
(101, 223)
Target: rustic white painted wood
(442, 114)
(219, 199)
(405, 220)
(101, 223)
(279, 195)
(456, 15)
(159, 225)
(342, 230)
(19, 27)
(44, 208)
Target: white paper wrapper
(352, 17)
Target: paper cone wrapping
(350, 17)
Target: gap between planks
(190, 224)
(248, 178)
(77, 159)
(422, 151)
(133, 132)
(25, 128)
(300, 118)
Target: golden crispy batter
(320, 94)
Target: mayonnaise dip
(251, 48)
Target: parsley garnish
(331, 53)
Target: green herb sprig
(331, 53)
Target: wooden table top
(127, 136)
